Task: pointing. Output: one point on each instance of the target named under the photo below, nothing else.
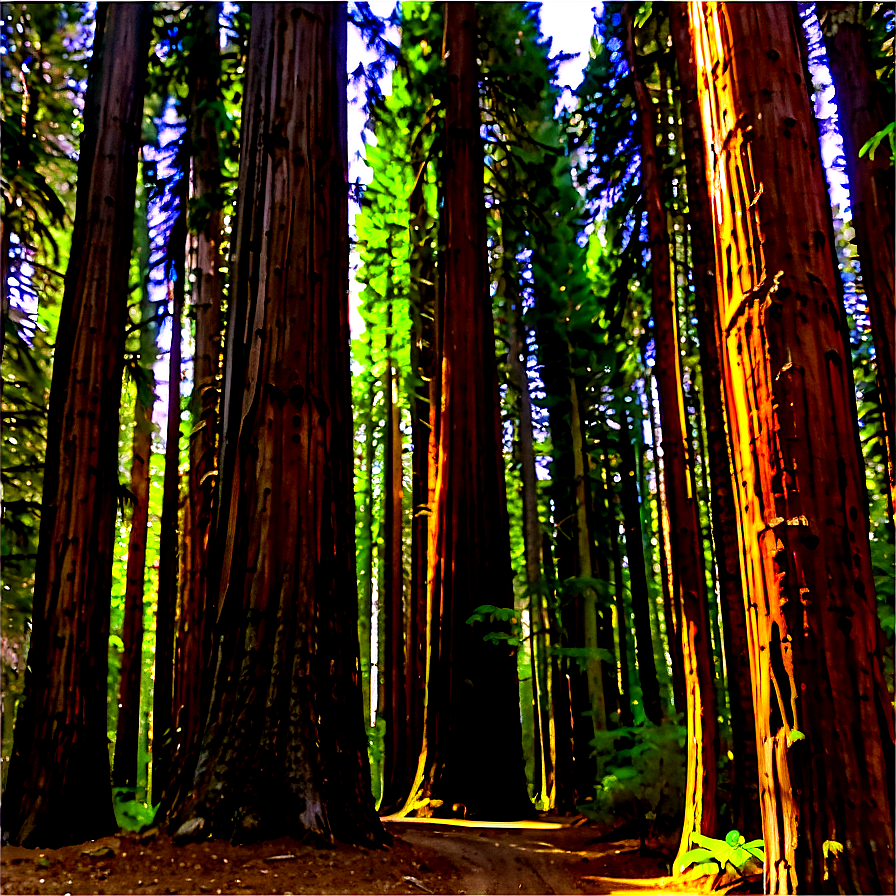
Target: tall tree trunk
(163, 680)
(861, 101)
(424, 400)
(396, 773)
(472, 753)
(824, 727)
(194, 643)
(60, 757)
(744, 777)
(284, 750)
(634, 545)
(687, 550)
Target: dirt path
(555, 859)
(454, 857)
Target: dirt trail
(549, 859)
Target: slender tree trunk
(395, 770)
(60, 757)
(863, 111)
(284, 750)
(634, 545)
(194, 642)
(687, 552)
(163, 680)
(472, 755)
(824, 727)
(365, 573)
(744, 795)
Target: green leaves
(713, 855)
(499, 615)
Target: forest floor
(552, 857)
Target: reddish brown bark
(193, 648)
(472, 752)
(284, 750)
(60, 755)
(688, 577)
(823, 715)
(744, 803)
(862, 105)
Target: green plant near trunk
(715, 855)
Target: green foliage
(642, 774)
(499, 616)
(130, 813)
(713, 855)
(887, 133)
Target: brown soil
(424, 858)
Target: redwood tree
(472, 751)
(863, 112)
(284, 750)
(59, 788)
(824, 727)
(688, 579)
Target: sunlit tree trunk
(284, 750)
(863, 112)
(686, 549)
(472, 754)
(823, 716)
(744, 797)
(193, 649)
(60, 756)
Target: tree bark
(194, 642)
(744, 783)
(472, 753)
(861, 101)
(824, 727)
(60, 757)
(284, 751)
(634, 545)
(687, 551)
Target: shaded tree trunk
(634, 545)
(824, 725)
(688, 576)
(166, 625)
(863, 111)
(195, 618)
(60, 757)
(284, 750)
(744, 783)
(472, 753)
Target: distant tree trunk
(532, 541)
(396, 774)
(195, 619)
(424, 401)
(472, 753)
(284, 750)
(862, 105)
(824, 726)
(687, 551)
(366, 554)
(60, 756)
(163, 679)
(744, 794)
(634, 545)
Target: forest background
(640, 687)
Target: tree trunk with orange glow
(472, 753)
(744, 803)
(823, 716)
(689, 582)
(58, 789)
(862, 105)
(284, 751)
